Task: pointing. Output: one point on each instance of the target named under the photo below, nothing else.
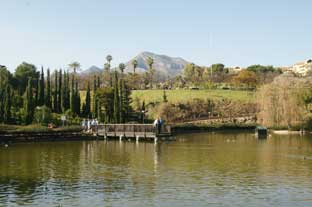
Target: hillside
(163, 64)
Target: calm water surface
(207, 169)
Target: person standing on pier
(160, 125)
(156, 124)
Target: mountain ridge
(163, 64)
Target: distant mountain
(93, 69)
(163, 64)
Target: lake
(203, 169)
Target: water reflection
(223, 169)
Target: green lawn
(175, 96)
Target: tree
(246, 77)
(105, 97)
(7, 104)
(165, 100)
(65, 93)
(22, 73)
(72, 95)
(193, 73)
(116, 100)
(5, 77)
(42, 115)
(109, 58)
(28, 103)
(87, 109)
(150, 62)
(77, 105)
(107, 75)
(41, 89)
(122, 67)
(55, 101)
(135, 64)
(59, 91)
(48, 91)
(74, 66)
(95, 101)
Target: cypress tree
(87, 109)
(41, 89)
(28, 103)
(48, 91)
(55, 101)
(116, 101)
(121, 101)
(72, 96)
(37, 91)
(124, 100)
(60, 91)
(64, 93)
(95, 101)
(67, 92)
(1, 105)
(77, 99)
(7, 105)
(98, 82)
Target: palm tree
(109, 58)
(135, 64)
(106, 67)
(122, 67)
(150, 62)
(74, 66)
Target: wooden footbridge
(133, 131)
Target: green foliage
(122, 67)
(134, 64)
(105, 98)
(219, 68)
(43, 115)
(41, 89)
(55, 93)
(74, 66)
(116, 101)
(60, 92)
(22, 73)
(87, 107)
(5, 77)
(263, 69)
(28, 103)
(7, 104)
(48, 98)
(165, 100)
(193, 73)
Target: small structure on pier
(134, 131)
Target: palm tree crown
(150, 62)
(74, 66)
(135, 64)
(109, 58)
(122, 67)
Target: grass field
(175, 96)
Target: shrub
(42, 115)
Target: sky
(233, 32)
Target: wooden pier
(134, 131)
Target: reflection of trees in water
(20, 190)
(214, 161)
(28, 168)
(125, 167)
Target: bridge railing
(131, 128)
